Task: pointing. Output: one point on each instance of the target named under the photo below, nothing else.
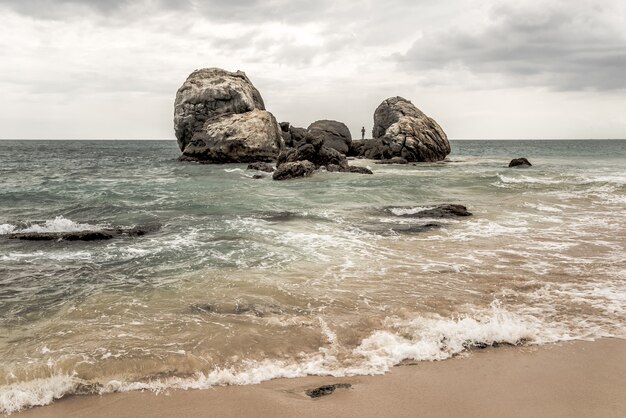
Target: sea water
(249, 279)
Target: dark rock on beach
(334, 134)
(89, 235)
(520, 162)
(326, 389)
(220, 117)
(402, 130)
(261, 166)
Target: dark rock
(326, 389)
(441, 211)
(298, 135)
(520, 162)
(395, 229)
(284, 126)
(359, 170)
(219, 117)
(313, 150)
(334, 134)
(89, 235)
(261, 166)
(294, 169)
(257, 176)
(393, 160)
(402, 130)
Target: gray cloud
(564, 46)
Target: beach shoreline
(569, 379)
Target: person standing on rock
(363, 133)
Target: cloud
(556, 44)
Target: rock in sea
(220, 117)
(520, 162)
(402, 130)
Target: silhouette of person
(363, 133)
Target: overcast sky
(99, 69)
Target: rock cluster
(220, 117)
(402, 130)
(310, 155)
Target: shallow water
(249, 279)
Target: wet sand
(578, 379)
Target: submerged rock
(386, 229)
(402, 130)
(220, 117)
(334, 134)
(393, 160)
(326, 389)
(441, 211)
(261, 166)
(88, 235)
(520, 162)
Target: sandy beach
(578, 379)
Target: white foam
(528, 180)
(58, 224)
(37, 392)
(419, 339)
(7, 229)
(409, 211)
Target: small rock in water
(261, 166)
(394, 160)
(326, 389)
(441, 211)
(95, 235)
(520, 162)
(293, 170)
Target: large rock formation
(335, 135)
(402, 130)
(219, 116)
(236, 138)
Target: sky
(484, 69)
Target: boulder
(295, 169)
(236, 138)
(520, 162)
(219, 116)
(402, 130)
(297, 135)
(335, 135)
(261, 166)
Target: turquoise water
(249, 279)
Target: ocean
(244, 280)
